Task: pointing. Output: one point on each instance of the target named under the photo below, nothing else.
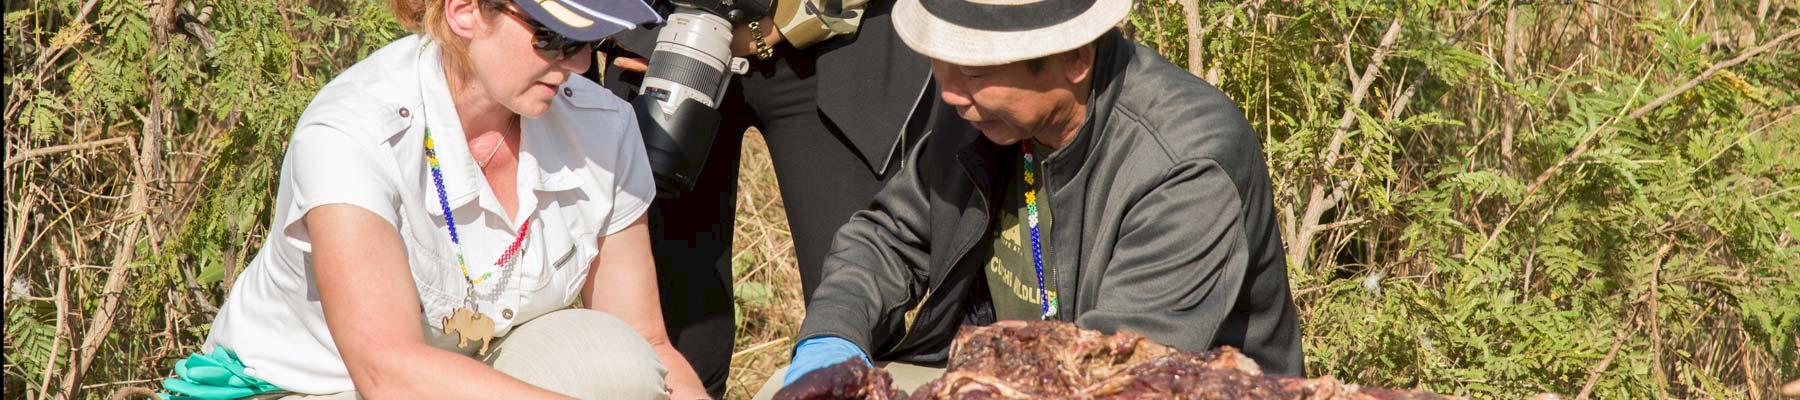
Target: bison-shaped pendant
(470, 325)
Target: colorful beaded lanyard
(467, 321)
(437, 178)
(1047, 302)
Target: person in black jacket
(830, 89)
(1070, 175)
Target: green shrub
(1525, 197)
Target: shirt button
(405, 113)
(506, 313)
(567, 92)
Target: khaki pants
(907, 377)
(580, 353)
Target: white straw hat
(993, 32)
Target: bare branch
(1196, 38)
(103, 318)
(1360, 89)
(1318, 201)
(62, 328)
(44, 61)
(1640, 112)
(40, 152)
(1509, 107)
(15, 230)
(148, 167)
(1594, 375)
(1418, 79)
(1582, 146)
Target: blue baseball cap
(590, 20)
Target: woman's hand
(743, 43)
(622, 282)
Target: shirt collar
(462, 177)
(542, 154)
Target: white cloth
(579, 353)
(582, 175)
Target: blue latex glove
(820, 352)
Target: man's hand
(631, 63)
(742, 42)
(820, 352)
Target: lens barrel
(677, 106)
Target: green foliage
(229, 107)
(1655, 256)
(1673, 232)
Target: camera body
(677, 104)
(737, 11)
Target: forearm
(424, 372)
(372, 310)
(877, 265)
(622, 282)
(804, 23)
(867, 287)
(683, 382)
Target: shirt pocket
(563, 273)
(441, 287)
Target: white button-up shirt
(582, 174)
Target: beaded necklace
(1045, 300)
(467, 321)
(437, 178)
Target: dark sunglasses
(546, 41)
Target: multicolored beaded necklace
(437, 178)
(467, 321)
(1045, 300)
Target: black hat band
(1006, 18)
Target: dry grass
(765, 272)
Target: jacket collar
(1109, 65)
(462, 177)
(982, 159)
(1110, 59)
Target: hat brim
(957, 44)
(590, 20)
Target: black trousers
(823, 180)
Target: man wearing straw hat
(1071, 175)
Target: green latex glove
(217, 375)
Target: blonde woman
(460, 215)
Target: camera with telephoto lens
(677, 104)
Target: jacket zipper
(900, 141)
(981, 195)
